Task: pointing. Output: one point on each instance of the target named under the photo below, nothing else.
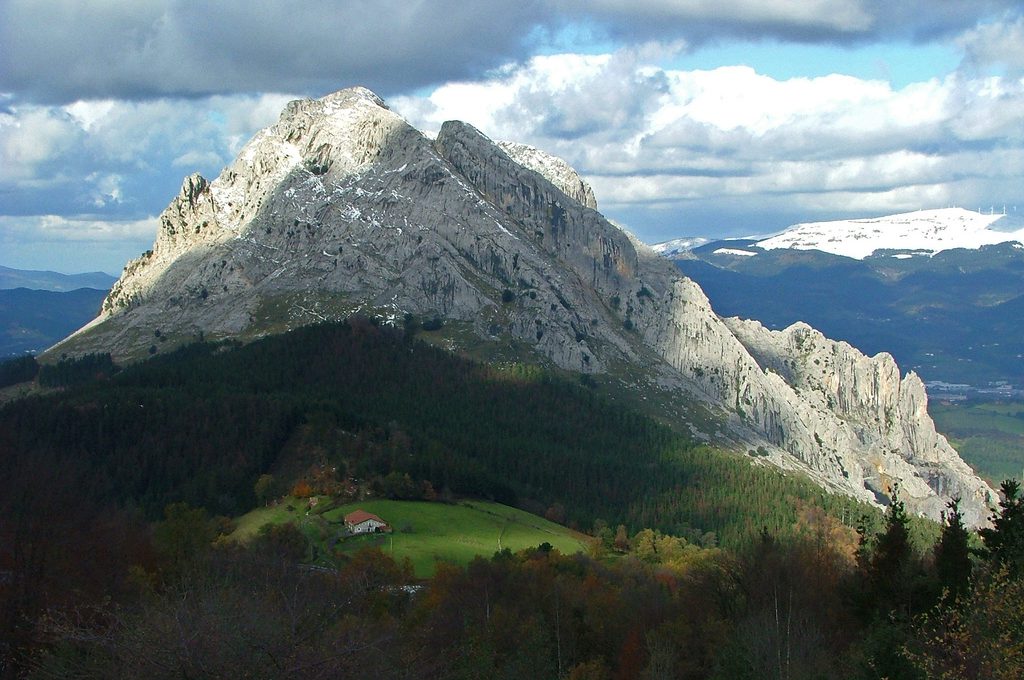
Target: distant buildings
(1000, 389)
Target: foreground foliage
(662, 609)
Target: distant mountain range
(38, 308)
(920, 233)
(941, 290)
(678, 246)
(55, 281)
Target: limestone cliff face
(894, 438)
(553, 169)
(341, 207)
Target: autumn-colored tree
(645, 546)
(302, 489)
(555, 513)
(631, 656)
(621, 541)
(661, 658)
(594, 669)
(977, 635)
(602, 532)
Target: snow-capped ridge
(678, 246)
(923, 231)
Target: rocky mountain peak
(342, 207)
(553, 169)
(194, 186)
(342, 99)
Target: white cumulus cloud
(995, 43)
(654, 138)
(82, 228)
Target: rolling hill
(33, 320)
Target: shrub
(433, 324)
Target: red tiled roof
(360, 516)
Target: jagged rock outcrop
(341, 206)
(887, 414)
(554, 170)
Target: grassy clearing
(249, 524)
(988, 435)
(425, 533)
(996, 417)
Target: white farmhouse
(362, 522)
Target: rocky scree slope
(342, 206)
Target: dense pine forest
(201, 424)
(120, 484)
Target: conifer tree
(952, 555)
(1004, 540)
(892, 583)
(890, 565)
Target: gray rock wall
(341, 206)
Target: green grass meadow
(988, 435)
(425, 533)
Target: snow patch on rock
(678, 246)
(553, 169)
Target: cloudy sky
(689, 117)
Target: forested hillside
(702, 565)
(199, 425)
